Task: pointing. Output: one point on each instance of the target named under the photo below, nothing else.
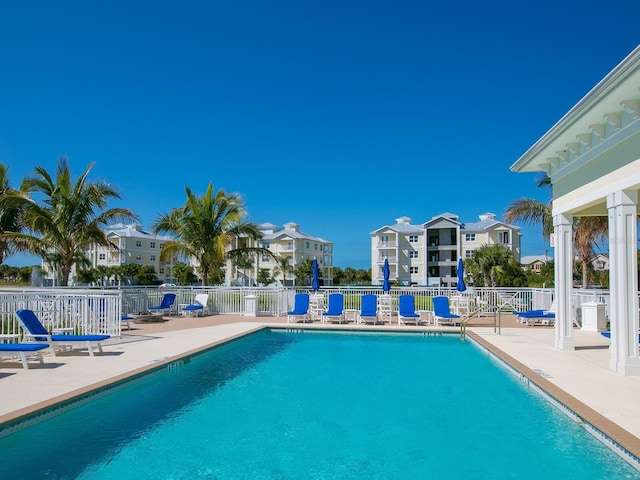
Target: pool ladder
(464, 321)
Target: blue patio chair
(368, 309)
(407, 310)
(23, 351)
(166, 305)
(199, 305)
(531, 317)
(442, 314)
(300, 308)
(34, 330)
(335, 309)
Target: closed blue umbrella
(315, 283)
(385, 272)
(461, 287)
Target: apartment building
(132, 245)
(427, 254)
(489, 231)
(289, 243)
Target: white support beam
(563, 261)
(623, 307)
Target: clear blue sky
(337, 115)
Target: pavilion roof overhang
(608, 114)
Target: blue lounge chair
(335, 310)
(34, 330)
(198, 306)
(442, 313)
(368, 309)
(300, 308)
(531, 317)
(407, 310)
(23, 351)
(166, 305)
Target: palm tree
(590, 231)
(204, 228)
(69, 219)
(283, 267)
(531, 211)
(304, 272)
(587, 231)
(491, 263)
(9, 212)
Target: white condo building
(289, 243)
(427, 254)
(133, 245)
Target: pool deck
(579, 378)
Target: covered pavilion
(592, 157)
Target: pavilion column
(623, 271)
(563, 260)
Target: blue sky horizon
(339, 116)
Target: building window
(138, 243)
(266, 257)
(266, 244)
(102, 256)
(470, 237)
(413, 270)
(504, 237)
(153, 244)
(139, 257)
(153, 258)
(413, 238)
(315, 246)
(161, 245)
(468, 253)
(413, 254)
(306, 244)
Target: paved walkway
(580, 376)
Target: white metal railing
(80, 311)
(88, 311)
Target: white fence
(88, 311)
(78, 311)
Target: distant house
(534, 263)
(600, 262)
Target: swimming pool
(317, 405)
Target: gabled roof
(295, 234)
(402, 225)
(487, 222)
(559, 150)
(529, 259)
(134, 231)
(446, 217)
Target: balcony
(381, 259)
(387, 245)
(443, 247)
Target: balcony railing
(391, 259)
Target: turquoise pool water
(279, 405)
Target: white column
(623, 270)
(563, 260)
